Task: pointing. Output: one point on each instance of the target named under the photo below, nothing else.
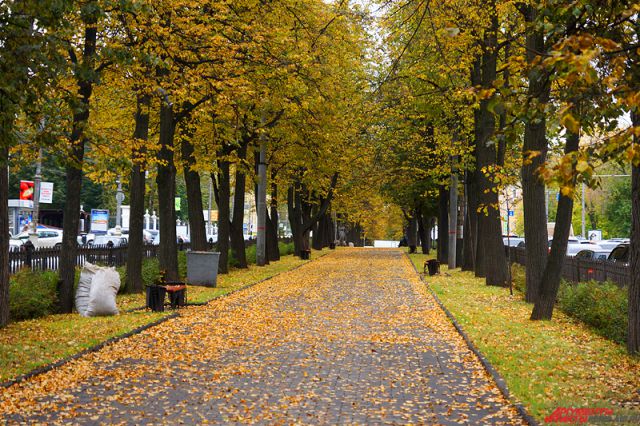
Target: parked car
(574, 245)
(591, 254)
(620, 253)
(147, 236)
(612, 243)
(86, 238)
(512, 241)
(47, 238)
(103, 240)
(179, 239)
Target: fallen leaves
(351, 338)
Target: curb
(48, 367)
(497, 378)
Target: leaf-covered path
(351, 338)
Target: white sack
(97, 290)
(84, 287)
(102, 297)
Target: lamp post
(119, 200)
(33, 235)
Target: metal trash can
(155, 297)
(202, 268)
(433, 266)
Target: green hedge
(32, 294)
(603, 306)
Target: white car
(575, 245)
(147, 236)
(47, 238)
(103, 240)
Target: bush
(32, 294)
(251, 254)
(150, 270)
(182, 264)
(286, 248)
(603, 306)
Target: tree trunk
(473, 185)
(493, 262)
(77, 140)
(166, 181)
(223, 196)
(443, 225)
(272, 224)
(237, 235)
(4, 222)
(423, 233)
(137, 188)
(318, 234)
(633, 338)
(412, 232)
(543, 308)
(535, 142)
(194, 197)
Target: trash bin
(433, 266)
(202, 268)
(332, 246)
(177, 294)
(305, 254)
(155, 297)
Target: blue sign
(99, 221)
(511, 213)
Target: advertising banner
(26, 190)
(99, 221)
(46, 192)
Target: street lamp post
(119, 200)
(33, 235)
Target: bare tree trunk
(4, 223)
(423, 232)
(223, 196)
(543, 308)
(470, 222)
(194, 197)
(166, 181)
(272, 231)
(535, 142)
(136, 198)
(237, 235)
(633, 338)
(443, 225)
(77, 140)
(493, 262)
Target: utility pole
(453, 214)
(210, 227)
(119, 200)
(37, 179)
(261, 244)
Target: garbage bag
(100, 299)
(84, 287)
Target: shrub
(286, 248)
(251, 254)
(603, 306)
(150, 270)
(182, 264)
(32, 294)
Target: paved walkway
(352, 338)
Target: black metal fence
(580, 270)
(41, 259)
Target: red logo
(576, 415)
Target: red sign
(26, 190)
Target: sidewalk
(350, 338)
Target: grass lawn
(546, 364)
(27, 345)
